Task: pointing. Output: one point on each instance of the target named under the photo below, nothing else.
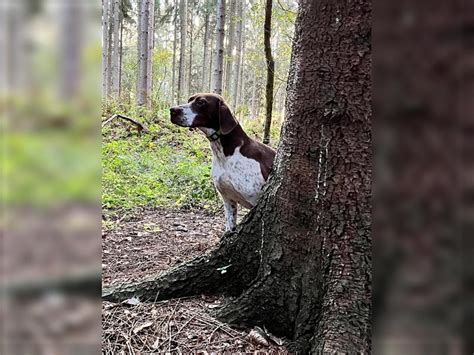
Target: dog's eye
(200, 102)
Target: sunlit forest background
(182, 48)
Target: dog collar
(215, 136)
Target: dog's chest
(237, 177)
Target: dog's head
(204, 110)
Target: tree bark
(217, 66)
(299, 263)
(229, 57)
(270, 71)
(143, 48)
(182, 50)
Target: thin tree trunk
(143, 47)
(229, 57)
(121, 56)
(254, 96)
(151, 46)
(105, 47)
(190, 66)
(205, 56)
(175, 41)
(110, 47)
(212, 36)
(216, 86)
(236, 70)
(270, 71)
(116, 48)
(182, 50)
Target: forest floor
(150, 241)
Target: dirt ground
(152, 241)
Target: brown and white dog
(240, 165)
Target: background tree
(182, 49)
(299, 263)
(238, 56)
(270, 71)
(143, 51)
(217, 66)
(229, 52)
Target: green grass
(170, 167)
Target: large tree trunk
(182, 50)
(238, 57)
(143, 47)
(270, 71)
(229, 57)
(299, 263)
(216, 86)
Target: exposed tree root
(227, 269)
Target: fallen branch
(140, 126)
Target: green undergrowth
(169, 167)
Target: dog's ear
(227, 121)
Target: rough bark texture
(182, 49)
(270, 71)
(216, 86)
(299, 263)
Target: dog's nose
(175, 111)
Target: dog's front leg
(230, 209)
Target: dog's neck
(226, 144)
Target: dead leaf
(134, 301)
(143, 326)
(257, 337)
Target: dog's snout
(175, 111)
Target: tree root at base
(226, 269)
